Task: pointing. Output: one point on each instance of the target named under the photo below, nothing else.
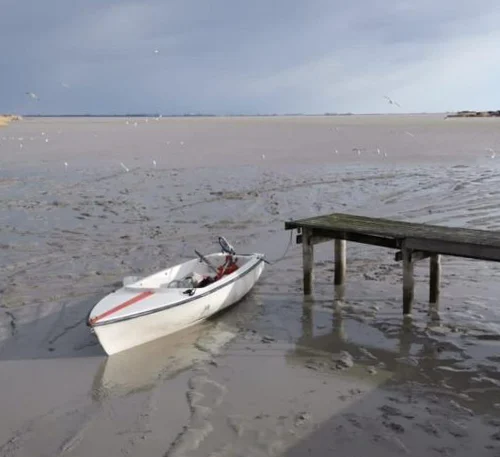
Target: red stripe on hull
(133, 300)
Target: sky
(248, 57)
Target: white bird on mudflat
(493, 153)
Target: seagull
(492, 152)
(32, 95)
(156, 51)
(392, 102)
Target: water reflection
(139, 369)
(409, 355)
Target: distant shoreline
(475, 114)
(156, 115)
(6, 119)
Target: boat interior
(194, 273)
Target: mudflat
(87, 201)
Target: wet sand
(277, 374)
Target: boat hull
(124, 334)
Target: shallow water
(69, 234)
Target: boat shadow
(49, 331)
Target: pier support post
(408, 281)
(434, 278)
(340, 262)
(307, 318)
(307, 260)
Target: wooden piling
(307, 260)
(340, 262)
(434, 278)
(408, 281)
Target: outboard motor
(226, 247)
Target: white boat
(173, 299)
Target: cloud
(256, 57)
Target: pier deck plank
(454, 241)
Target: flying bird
(392, 102)
(32, 95)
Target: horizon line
(328, 114)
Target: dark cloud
(260, 56)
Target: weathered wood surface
(434, 278)
(340, 262)
(408, 281)
(454, 241)
(307, 262)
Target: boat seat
(187, 282)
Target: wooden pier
(413, 242)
